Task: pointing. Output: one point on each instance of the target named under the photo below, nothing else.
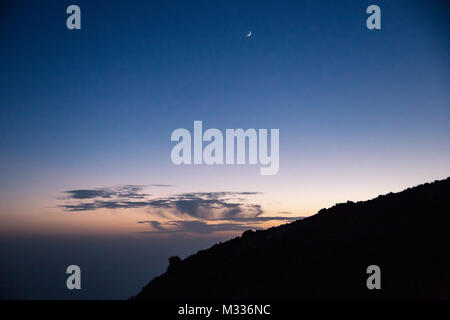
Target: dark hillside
(325, 256)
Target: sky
(87, 115)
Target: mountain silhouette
(326, 256)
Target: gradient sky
(360, 112)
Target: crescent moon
(249, 34)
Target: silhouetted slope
(325, 256)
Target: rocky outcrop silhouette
(326, 255)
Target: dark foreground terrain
(407, 234)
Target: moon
(249, 34)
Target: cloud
(199, 205)
(193, 212)
(209, 205)
(125, 191)
(121, 197)
(192, 226)
(97, 204)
